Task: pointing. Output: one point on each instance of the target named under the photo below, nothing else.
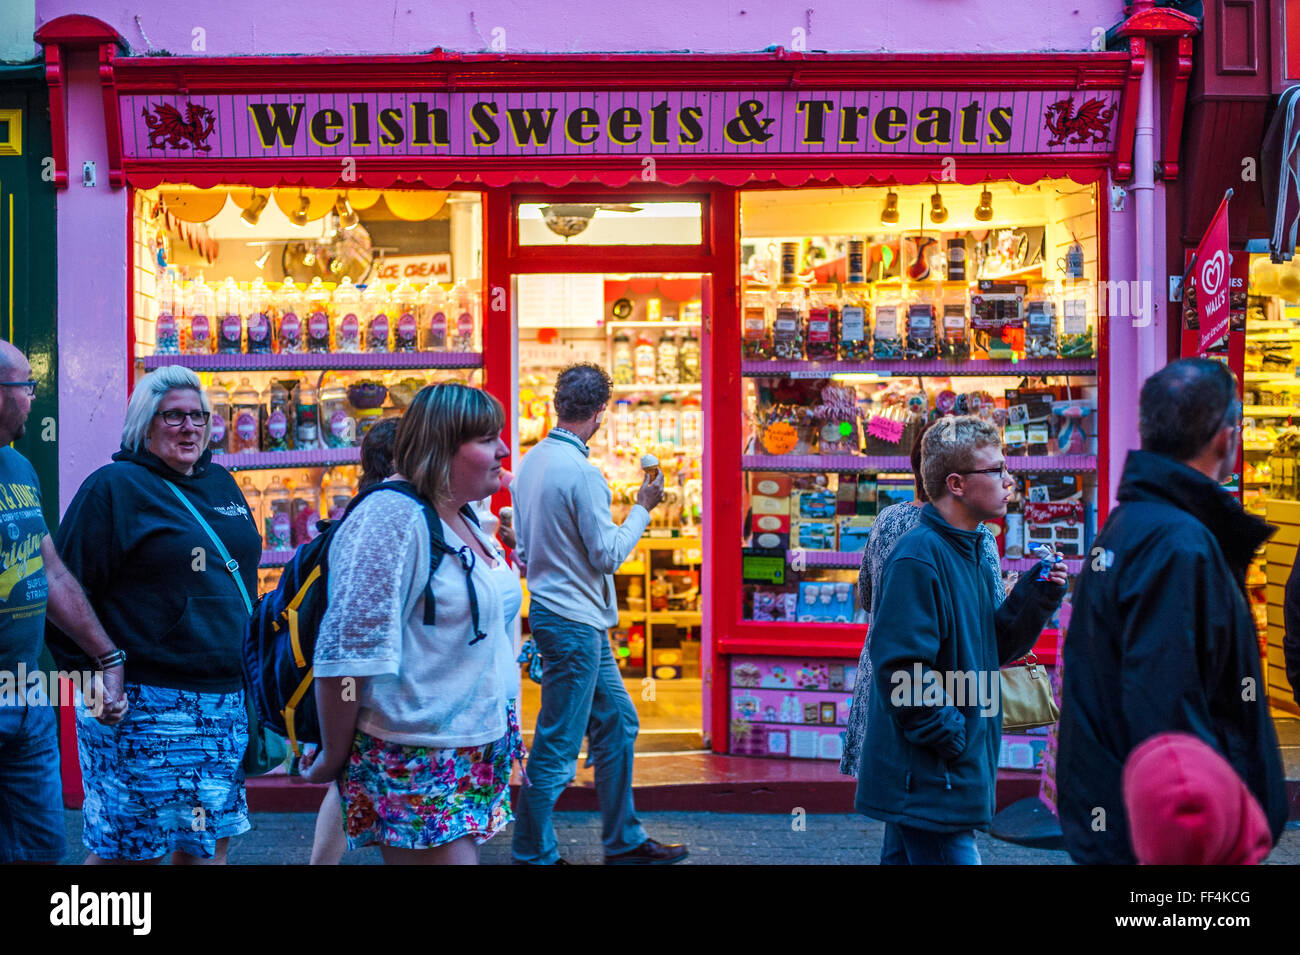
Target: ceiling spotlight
(938, 211)
(984, 211)
(299, 216)
(254, 210)
(347, 215)
(889, 214)
(309, 257)
(260, 261)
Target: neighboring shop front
(786, 263)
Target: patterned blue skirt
(168, 777)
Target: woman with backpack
(168, 780)
(415, 674)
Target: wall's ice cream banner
(568, 123)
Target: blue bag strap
(227, 561)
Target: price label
(761, 568)
(887, 429)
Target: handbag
(531, 657)
(1027, 700)
(265, 750)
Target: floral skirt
(169, 777)
(416, 797)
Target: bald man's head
(15, 402)
(11, 360)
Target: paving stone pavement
(284, 838)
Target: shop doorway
(645, 328)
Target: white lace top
(423, 686)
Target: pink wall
(244, 27)
(92, 292)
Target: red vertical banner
(1211, 273)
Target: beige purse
(1027, 700)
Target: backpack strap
(227, 561)
(438, 548)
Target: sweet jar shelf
(900, 463)
(320, 361)
(306, 458)
(934, 368)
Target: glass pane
(610, 223)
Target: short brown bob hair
(439, 420)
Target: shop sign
(415, 268)
(1211, 275)
(603, 122)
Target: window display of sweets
(643, 361)
(219, 398)
(955, 343)
(1040, 329)
(667, 371)
(259, 319)
(318, 317)
(376, 326)
(855, 323)
(406, 308)
(230, 318)
(433, 323)
(171, 309)
(1076, 342)
(290, 334)
(277, 515)
(756, 323)
(196, 329)
(823, 323)
(688, 358)
(887, 344)
(277, 416)
(788, 325)
(465, 307)
(246, 412)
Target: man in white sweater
(570, 547)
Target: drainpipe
(1149, 339)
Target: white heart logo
(1212, 274)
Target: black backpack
(280, 638)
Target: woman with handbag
(416, 679)
(139, 535)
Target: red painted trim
(499, 324)
(112, 123)
(78, 30)
(58, 115)
(1103, 363)
(130, 292)
(1290, 23)
(614, 172)
(1128, 114)
(1177, 73)
(1156, 22)
(779, 69)
(846, 649)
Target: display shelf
(1275, 336)
(685, 618)
(664, 325)
(309, 458)
(845, 559)
(668, 543)
(1269, 375)
(331, 361)
(1269, 411)
(860, 462)
(276, 558)
(910, 369)
(1021, 564)
(633, 389)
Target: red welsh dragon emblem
(168, 129)
(1092, 119)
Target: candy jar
(376, 325)
(277, 515)
(171, 307)
(788, 327)
(887, 342)
(259, 318)
(338, 494)
(622, 361)
(643, 361)
(921, 343)
(666, 356)
(246, 412)
(253, 498)
(688, 359)
(219, 398)
(318, 317)
(670, 422)
(347, 317)
(1076, 342)
(290, 334)
(196, 330)
(338, 427)
(692, 423)
(230, 318)
(464, 302)
(855, 323)
(955, 342)
(756, 342)
(646, 424)
(306, 428)
(1040, 329)
(277, 417)
(624, 426)
(304, 511)
(823, 323)
(433, 318)
(405, 307)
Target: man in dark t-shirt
(33, 580)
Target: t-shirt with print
(23, 587)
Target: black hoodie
(1162, 640)
(173, 608)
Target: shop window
(610, 223)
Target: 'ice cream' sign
(773, 122)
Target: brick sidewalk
(715, 838)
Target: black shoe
(559, 861)
(649, 853)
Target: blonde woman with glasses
(168, 780)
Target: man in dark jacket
(929, 761)
(1162, 638)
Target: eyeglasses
(1001, 470)
(174, 417)
(30, 385)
